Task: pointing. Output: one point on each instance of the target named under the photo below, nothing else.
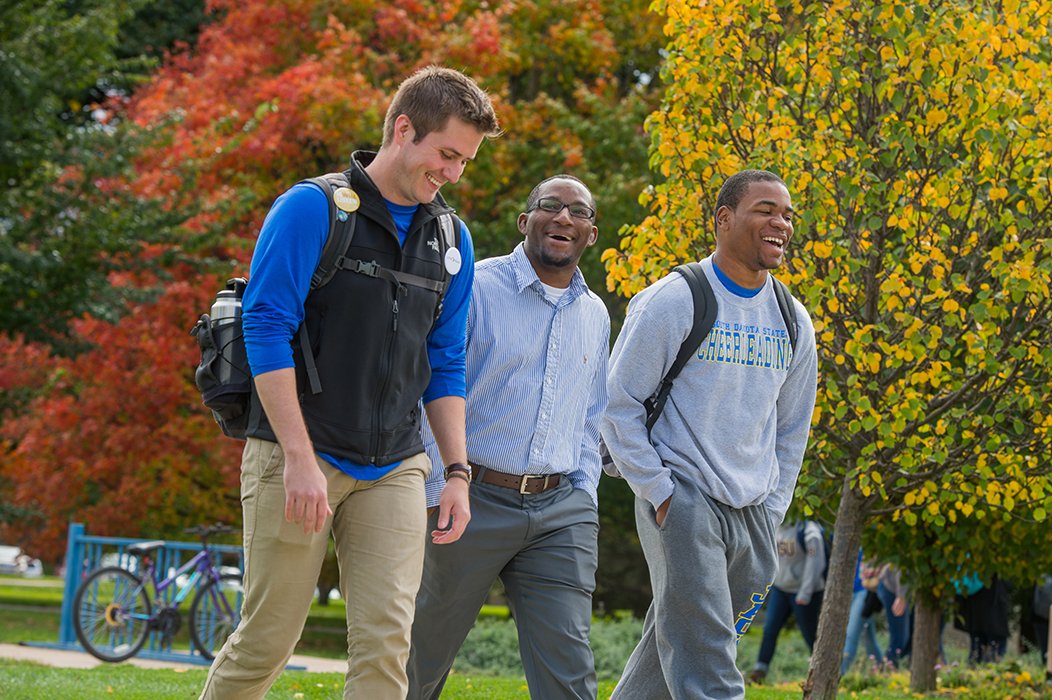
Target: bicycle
(113, 614)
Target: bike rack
(85, 553)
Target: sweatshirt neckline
(732, 286)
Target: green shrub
(612, 643)
(492, 647)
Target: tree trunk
(925, 648)
(824, 675)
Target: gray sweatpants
(710, 568)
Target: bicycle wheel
(215, 612)
(111, 614)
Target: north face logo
(434, 244)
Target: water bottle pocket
(223, 376)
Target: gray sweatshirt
(739, 413)
(800, 569)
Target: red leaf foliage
(274, 91)
(121, 441)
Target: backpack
(223, 376)
(827, 544)
(705, 308)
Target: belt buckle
(526, 477)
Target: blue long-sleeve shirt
(286, 255)
(536, 377)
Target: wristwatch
(459, 470)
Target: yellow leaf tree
(915, 140)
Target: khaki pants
(379, 530)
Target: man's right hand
(306, 494)
(454, 503)
(662, 511)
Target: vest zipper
(385, 363)
(402, 289)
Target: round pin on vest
(453, 261)
(346, 199)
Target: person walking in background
(537, 347)
(1041, 603)
(797, 590)
(349, 459)
(860, 623)
(984, 612)
(893, 593)
(714, 477)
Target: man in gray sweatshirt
(715, 476)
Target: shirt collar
(526, 276)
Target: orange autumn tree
(117, 442)
(275, 91)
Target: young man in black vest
(386, 332)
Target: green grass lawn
(48, 594)
(31, 613)
(26, 681)
(487, 667)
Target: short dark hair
(535, 193)
(431, 95)
(738, 184)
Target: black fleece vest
(369, 337)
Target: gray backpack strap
(449, 238)
(788, 309)
(705, 308)
(374, 269)
(341, 233)
(445, 222)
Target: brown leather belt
(524, 484)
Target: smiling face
(752, 237)
(555, 241)
(419, 169)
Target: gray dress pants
(543, 547)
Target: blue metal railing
(85, 553)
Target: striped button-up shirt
(536, 376)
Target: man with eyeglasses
(536, 360)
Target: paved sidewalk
(79, 659)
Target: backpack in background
(827, 543)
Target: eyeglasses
(553, 205)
